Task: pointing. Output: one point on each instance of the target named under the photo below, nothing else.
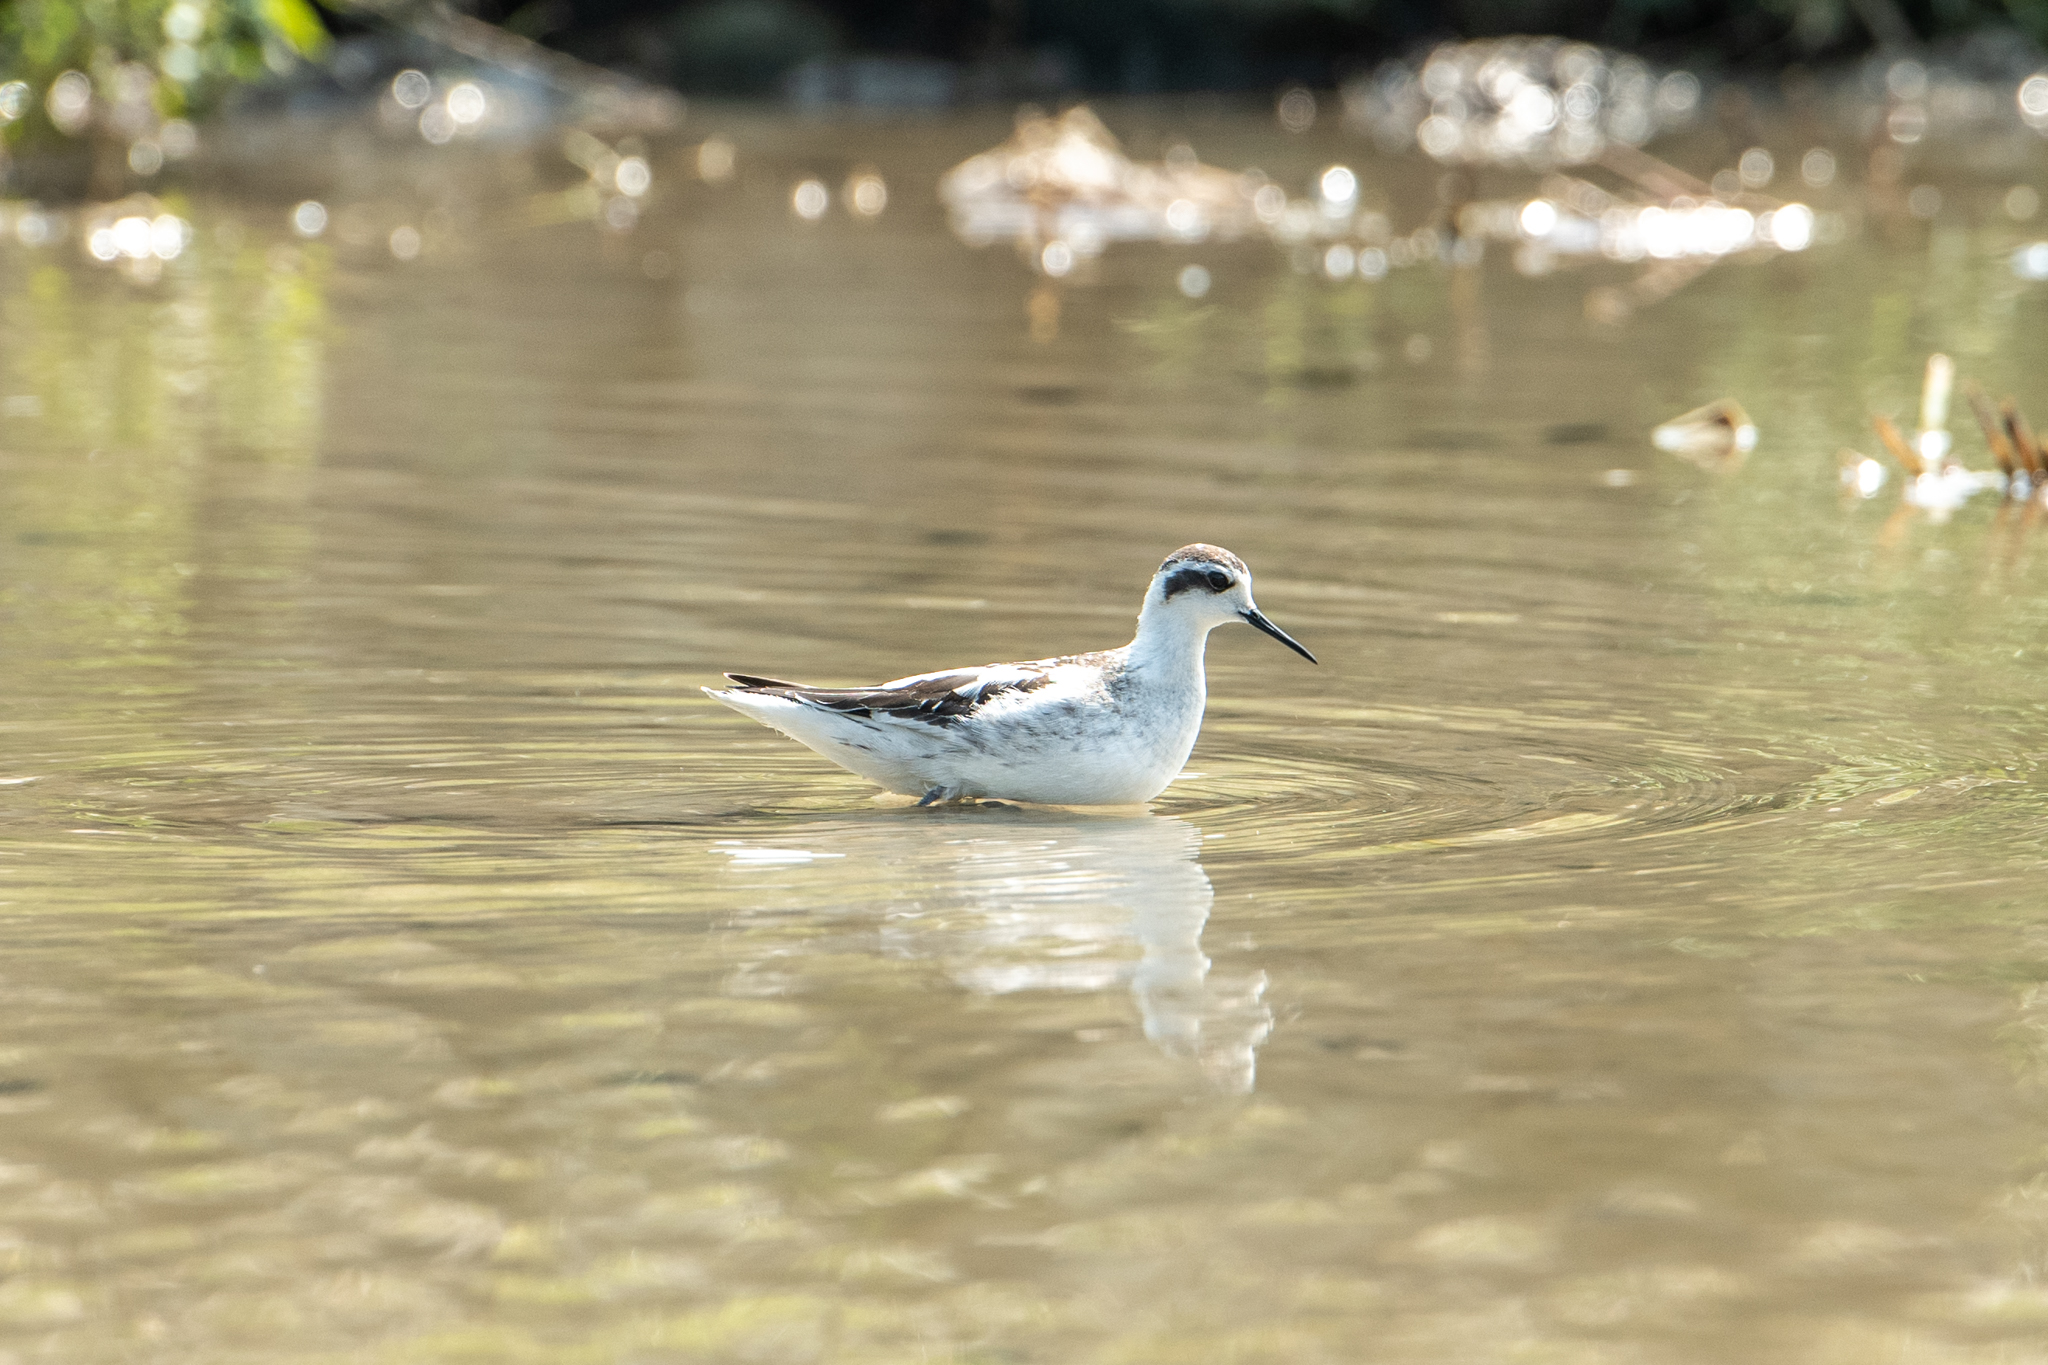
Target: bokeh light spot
(810, 199)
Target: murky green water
(1627, 946)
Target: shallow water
(1626, 946)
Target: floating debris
(1673, 223)
(1064, 189)
(1535, 102)
(1937, 490)
(1936, 482)
(620, 179)
(1716, 436)
(1546, 104)
(2011, 439)
(1575, 218)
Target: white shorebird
(1103, 729)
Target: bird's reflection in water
(1024, 900)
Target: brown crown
(1204, 554)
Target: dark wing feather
(943, 699)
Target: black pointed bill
(1253, 616)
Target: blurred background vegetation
(1143, 46)
(177, 56)
(174, 58)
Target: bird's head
(1205, 587)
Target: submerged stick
(1994, 431)
(1660, 178)
(1893, 533)
(1895, 442)
(1934, 391)
(2025, 448)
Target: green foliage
(2030, 15)
(147, 59)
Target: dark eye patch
(1197, 576)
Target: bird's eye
(1218, 580)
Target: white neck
(1169, 643)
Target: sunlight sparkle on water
(810, 199)
(2033, 100)
(467, 103)
(867, 194)
(1791, 227)
(131, 237)
(1297, 110)
(437, 125)
(69, 102)
(139, 243)
(168, 236)
(632, 176)
(411, 89)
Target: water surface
(1626, 946)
